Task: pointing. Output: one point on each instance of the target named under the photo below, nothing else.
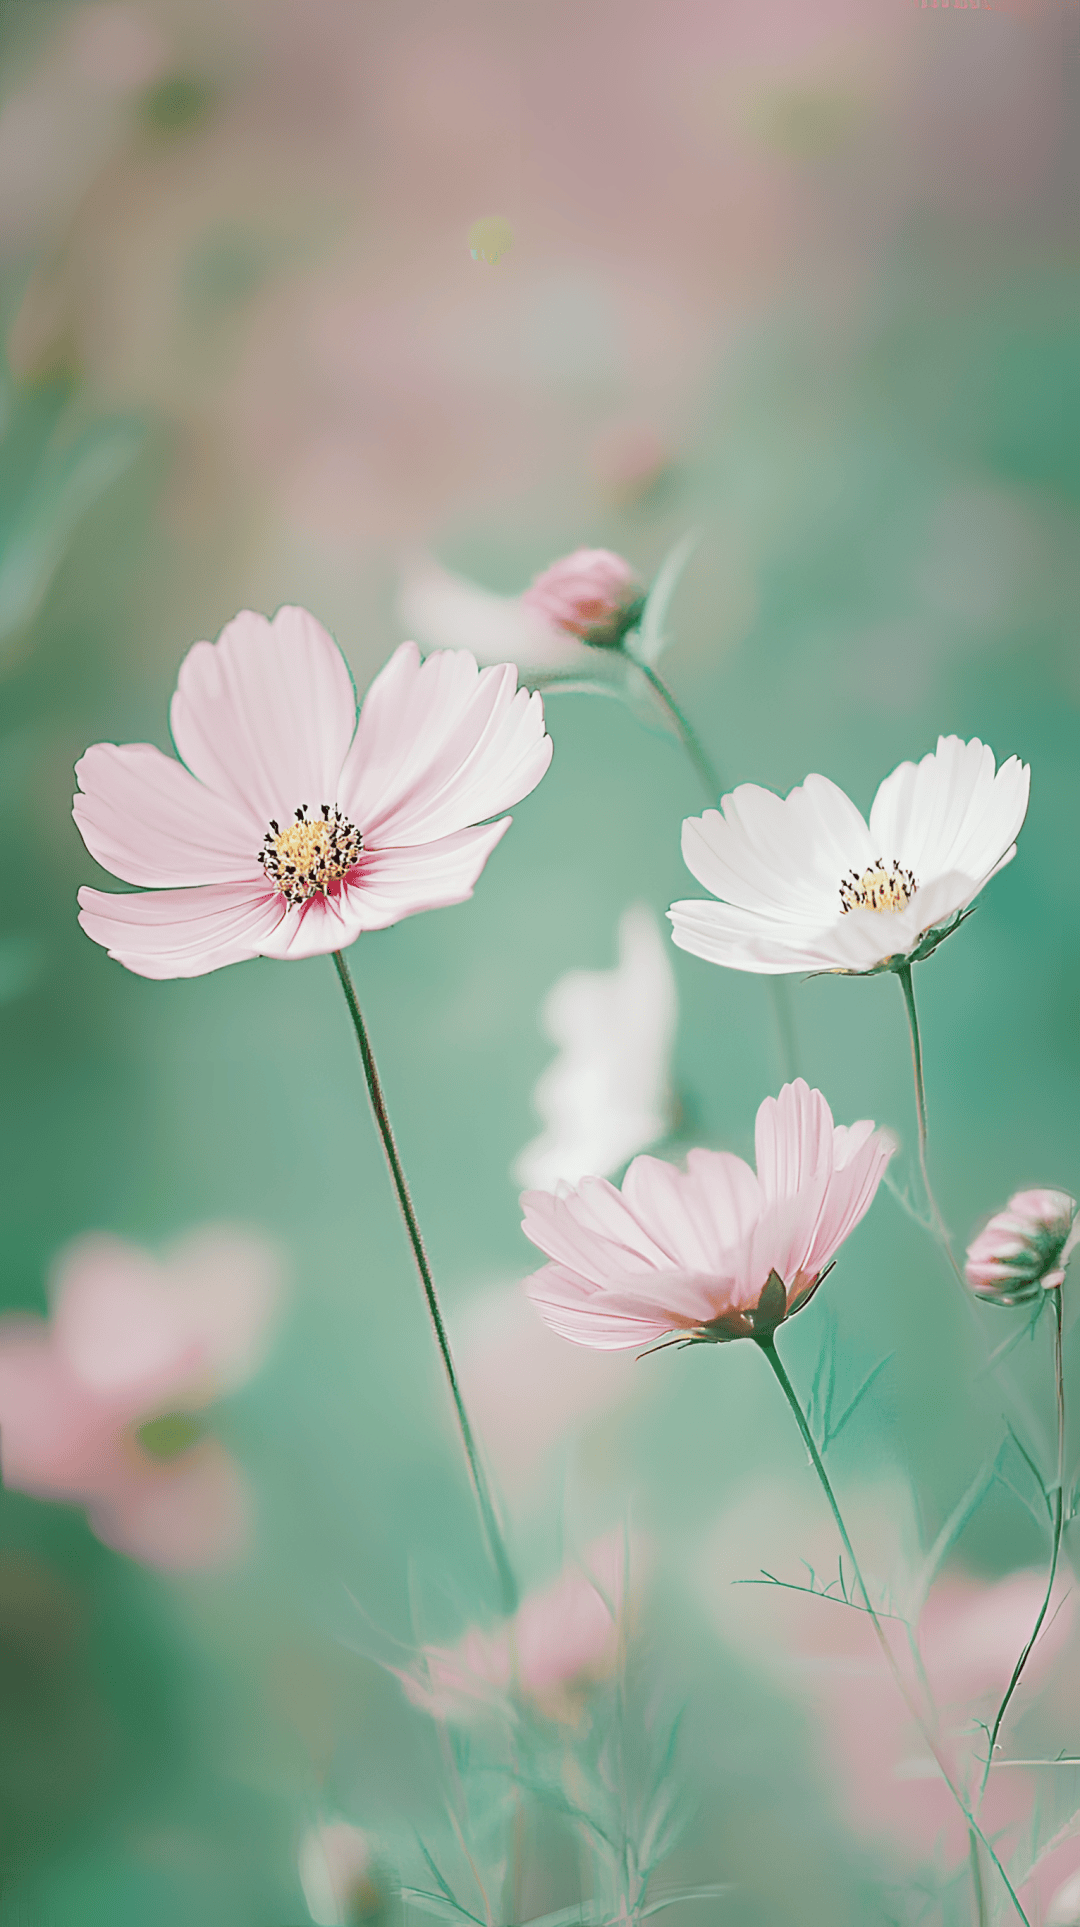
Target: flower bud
(1023, 1249)
(592, 594)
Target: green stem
(1055, 1544)
(977, 1887)
(903, 972)
(768, 1347)
(688, 736)
(496, 1546)
(710, 780)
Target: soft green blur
(884, 471)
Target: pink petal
(182, 933)
(584, 1316)
(699, 1215)
(265, 715)
(143, 816)
(793, 1139)
(441, 745)
(58, 1439)
(123, 1334)
(386, 886)
(190, 1514)
(592, 1231)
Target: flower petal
(951, 812)
(783, 856)
(181, 933)
(793, 1141)
(592, 1231)
(265, 715)
(586, 1317)
(385, 887)
(143, 816)
(441, 745)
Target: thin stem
(903, 972)
(710, 780)
(507, 1583)
(1055, 1545)
(767, 1346)
(979, 1892)
(688, 736)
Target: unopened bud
(592, 594)
(1023, 1249)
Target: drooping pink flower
(1023, 1250)
(592, 594)
(290, 826)
(715, 1251)
(102, 1406)
(562, 1638)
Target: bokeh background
(800, 276)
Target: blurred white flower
(335, 1867)
(1065, 1906)
(608, 1093)
(445, 611)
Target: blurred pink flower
(969, 1631)
(714, 1252)
(592, 594)
(99, 1407)
(336, 1869)
(528, 1392)
(1024, 1249)
(560, 1640)
(293, 826)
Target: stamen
(310, 854)
(877, 888)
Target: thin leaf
(650, 641)
(436, 1904)
(833, 1432)
(714, 1892)
(962, 1512)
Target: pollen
(878, 888)
(310, 853)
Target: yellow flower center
(311, 853)
(877, 888)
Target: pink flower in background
(100, 1407)
(804, 883)
(337, 1873)
(714, 1252)
(289, 827)
(1024, 1249)
(561, 1639)
(592, 594)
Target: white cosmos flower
(805, 884)
(607, 1095)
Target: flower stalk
(492, 1532)
(1055, 1540)
(977, 1837)
(709, 776)
(903, 973)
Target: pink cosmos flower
(101, 1406)
(1024, 1249)
(562, 1638)
(714, 1252)
(592, 594)
(290, 826)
